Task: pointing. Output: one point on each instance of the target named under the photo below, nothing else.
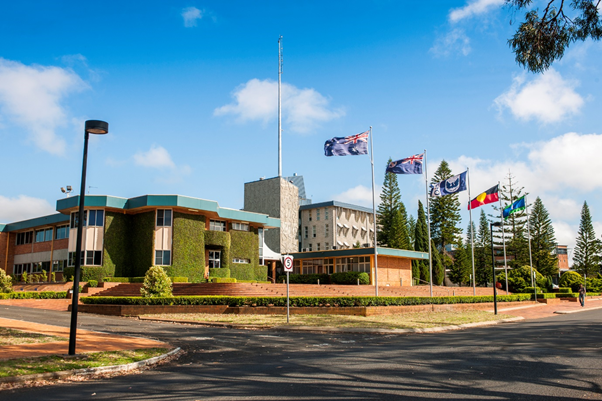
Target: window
(215, 259)
(318, 246)
(25, 238)
(163, 218)
(22, 268)
(309, 214)
(44, 235)
(313, 231)
(92, 218)
(317, 214)
(326, 230)
(163, 258)
(310, 248)
(240, 226)
(59, 265)
(62, 232)
(306, 231)
(238, 260)
(325, 213)
(216, 225)
(326, 246)
(40, 236)
(88, 258)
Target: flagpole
(474, 282)
(374, 215)
(428, 214)
(503, 237)
(529, 233)
(279, 106)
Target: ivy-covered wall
(188, 247)
(220, 240)
(117, 244)
(142, 244)
(245, 245)
(245, 271)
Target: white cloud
(359, 195)
(302, 109)
(454, 41)
(23, 207)
(155, 157)
(473, 8)
(547, 98)
(191, 15)
(31, 97)
(562, 208)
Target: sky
(189, 89)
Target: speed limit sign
(287, 261)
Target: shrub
(304, 278)
(68, 273)
(44, 276)
(219, 272)
(570, 279)
(53, 277)
(546, 295)
(520, 277)
(349, 278)
(24, 277)
(571, 295)
(35, 295)
(179, 279)
(92, 273)
(594, 284)
(156, 283)
(222, 279)
(6, 283)
(93, 283)
(33, 278)
(564, 290)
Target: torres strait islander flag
(489, 196)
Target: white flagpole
(529, 233)
(503, 237)
(474, 283)
(279, 107)
(374, 215)
(428, 214)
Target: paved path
(542, 310)
(48, 304)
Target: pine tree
(398, 236)
(482, 252)
(445, 212)
(543, 240)
(438, 266)
(586, 259)
(421, 244)
(461, 268)
(390, 199)
(412, 230)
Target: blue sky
(189, 91)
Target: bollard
(358, 281)
(318, 281)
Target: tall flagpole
(474, 281)
(374, 215)
(529, 233)
(428, 214)
(280, 106)
(503, 237)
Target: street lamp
(98, 128)
(496, 224)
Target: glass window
(48, 234)
(310, 247)
(326, 214)
(216, 225)
(306, 231)
(214, 259)
(238, 260)
(317, 214)
(313, 231)
(40, 236)
(326, 246)
(162, 258)
(163, 218)
(318, 246)
(326, 230)
(62, 232)
(240, 226)
(75, 218)
(24, 238)
(59, 265)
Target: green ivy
(188, 247)
(219, 240)
(143, 239)
(219, 272)
(117, 243)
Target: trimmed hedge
(93, 283)
(140, 279)
(222, 280)
(302, 301)
(93, 273)
(219, 272)
(565, 290)
(35, 295)
(571, 295)
(188, 247)
(546, 295)
(249, 271)
(304, 278)
(349, 278)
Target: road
(554, 358)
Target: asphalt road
(554, 358)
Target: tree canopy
(392, 216)
(586, 259)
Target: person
(582, 295)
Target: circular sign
(287, 261)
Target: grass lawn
(400, 321)
(16, 337)
(27, 366)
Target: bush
(6, 283)
(301, 301)
(92, 273)
(570, 279)
(44, 276)
(35, 295)
(24, 277)
(571, 295)
(93, 283)
(546, 295)
(594, 284)
(564, 290)
(53, 277)
(156, 283)
(222, 279)
(219, 272)
(349, 278)
(520, 277)
(179, 279)
(304, 278)
(68, 273)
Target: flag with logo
(409, 165)
(348, 145)
(451, 186)
(489, 196)
(519, 204)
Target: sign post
(287, 262)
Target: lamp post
(99, 128)
(496, 224)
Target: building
(125, 237)
(562, 253)
(335, 225)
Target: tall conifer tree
(445, 212)
(438, 266)
(586, 259)
(461, 268)
(421, 244)
(543, 240)
(412, 230)
(392, 216)
(483, 251)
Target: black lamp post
(496, 224)
(99, 128)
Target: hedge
(140, 279)
(565, 290)
(571, 295)
(304, 278)
(35, 295)
(219, 272)
(188, 247)
(349, 278)
(302, 301)
(222, 280)
(546, 295)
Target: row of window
(92, 218)
(319, 246)
(318, 214)
(57, 266)
(42, 235)
(88, 258)
(163, 258)
(330, 265)
(314, 231)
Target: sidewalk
(543, 310)
(87, 341)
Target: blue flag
(451, 186)
(348, 145)
(517, 205)
(409, 165)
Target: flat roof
(399, 253)
(35, 222)
(336, 204)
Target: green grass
(55, 363)
(17, 337)
(400, 321)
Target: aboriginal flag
(489, 196)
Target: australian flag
(451, 186)
(409, 165)
(348, 145)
